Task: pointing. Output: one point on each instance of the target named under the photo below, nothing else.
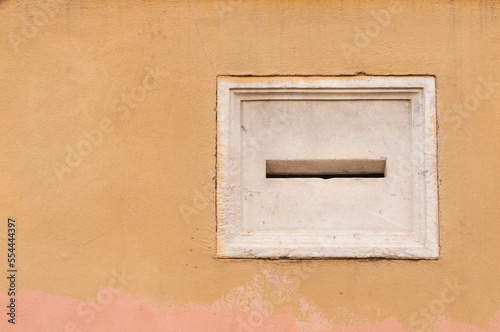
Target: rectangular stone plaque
(327, 167)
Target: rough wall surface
(107, 145)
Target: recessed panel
(319, 131)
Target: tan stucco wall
(142, 201)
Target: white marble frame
(421, 243)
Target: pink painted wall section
(116, 311)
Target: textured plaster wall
(107, 150)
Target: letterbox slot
(326, 168)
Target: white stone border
(421, 243)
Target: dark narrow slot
(326, 168)
(324, 176)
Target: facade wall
(108, 151)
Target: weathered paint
(144, 196)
